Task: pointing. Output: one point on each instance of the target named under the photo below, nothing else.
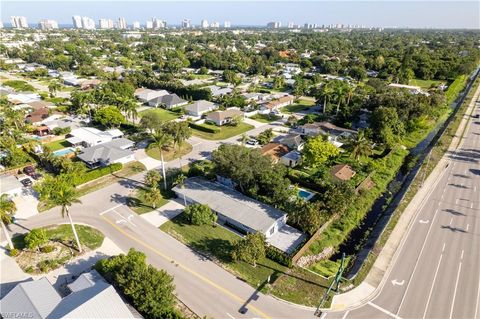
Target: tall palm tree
(180, 181)
(53, 87)
(128, 106)
(359, 145)
(7, 209)
(65, 196)
(152, 196)
(326, 93)
(160, 140)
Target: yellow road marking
(205, 279)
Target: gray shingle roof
(107, 152)
(228, 202)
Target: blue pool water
(306, 195)
(63, 152)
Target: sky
(386, 13)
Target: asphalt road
(437, 271)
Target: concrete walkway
(26, 204)
(373, 283)
(165, 213)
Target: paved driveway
(165, 213)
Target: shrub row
(278, 256)
(97, 173)
(204, 128)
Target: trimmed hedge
(97, 173)
(278, 256)
(204, 128)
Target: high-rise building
(186, 23)
(291, 25)
(122, 23)
(274, 25)
(19, 22)
(88, 23)
(215, 24)
(149, 24)
(226, 24)
(47, 24)
(1, 25)
(77, 22)
(204, 24)
(158, 24)
(136, 25)
(105, 24)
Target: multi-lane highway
(436, 272)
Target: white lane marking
(346, 314)
(468, 225)
(443, 248)
(230, 316)
(417, 261)
(471, 205)
(383, 310)
(323, 315)
(451, 220)
(442, 196)
(421, 221)
(433, 284)
(478, 299)
(121, 221)
(395, 282)
(121, 216)
(112, 208)
(456, 201)
(461, 257)
(474, 188)
(455, 291)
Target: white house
(291, 159)
(224, 117)
(90, 136)
(146, 95)
(168, 101)
(200, 107)
(115, 151)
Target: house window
(272, 230)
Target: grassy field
(19, 86)
(302, 105)
(61, 244)
(295, 284)
(165, 115)
(425, 84)
(57, 145)
(455, 88)
(226, 131)
(140, 206)
(168, 152)
(265, 118)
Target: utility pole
(336, 281)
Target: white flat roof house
(90, 136)
(241, 212)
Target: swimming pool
(63, 152)
(306, 195)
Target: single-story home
(115, 151)
(72, 81)
(42, 130)
(274, 105)
(89, 84)
(241, 213)
(168, 101)
(342, 172)
(22, 98)
(224, 117)
(325, 128)
(200, 107)
(92, 297)
(145, 95)
(274, 150)
(219, 91)
(291, 159)
(90, 136)
(10, 185)
(37, 116)
(293, 141)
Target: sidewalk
(377, 276)
(163, 214)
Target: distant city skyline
(409, 14)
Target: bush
(204, 128)
(29, 270)
(47, 249)
(36, 238)
(200, 214)
(203, 168)
(61, 130)
(278, 256)
(96, 173)
(13, 252)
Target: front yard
(168, 152)
(59, 249)
(57, 145)
(165, 115)
(224, 132)
(302, 105)
(265, 118)
(292, 284)
(140, 206)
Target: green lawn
(19, 85)
(265, 118)
(140, 206)
(57, 145)
(169, 153)
(226, 131)
(166, 115)
(297, 107)
(425, 84)
(295, 284)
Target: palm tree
(180, 181)
(7, 209)
(359, 145)
(128, 106)
(152, 178)
(152, 196)
(326, 93)
(160, 140)
(53, 87)
(66, 196)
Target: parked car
(252, 142)
(29, 170)
(37, 176)
(26, 182)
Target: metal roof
(230, 203)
